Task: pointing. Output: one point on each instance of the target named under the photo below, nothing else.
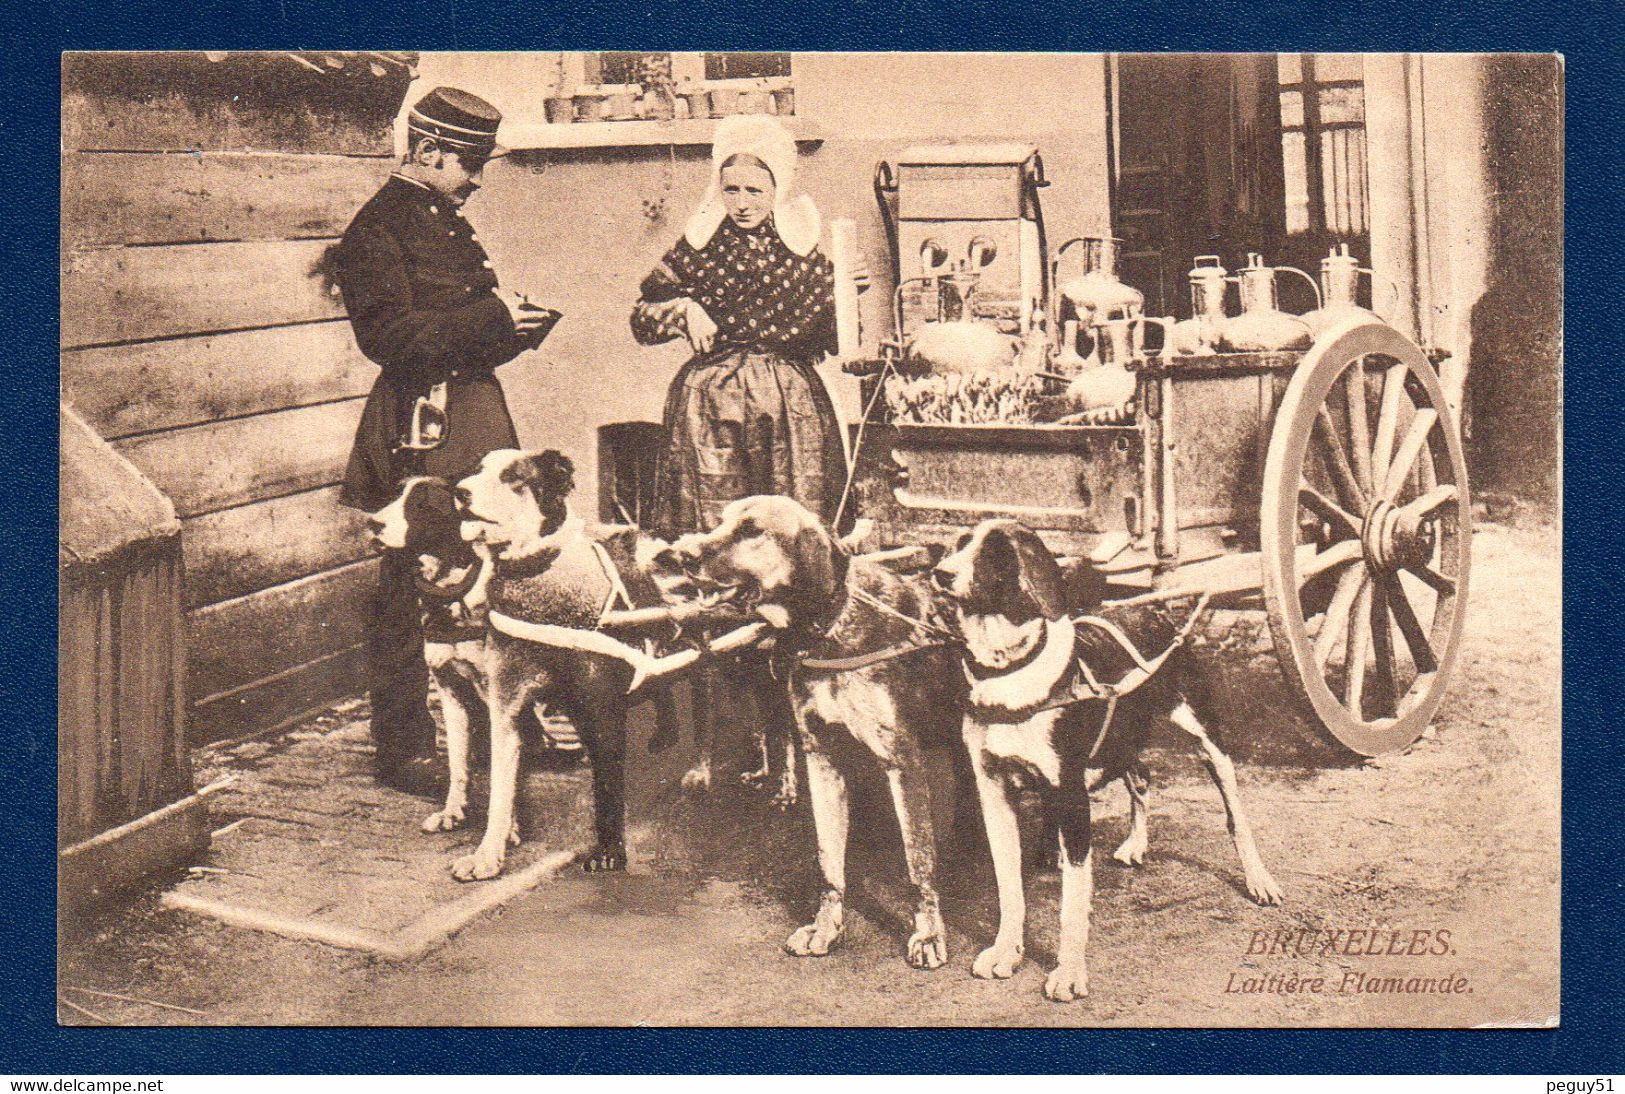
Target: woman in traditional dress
(747, 286)
(748, 414)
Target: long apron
(742, 422)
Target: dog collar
(455, 591)
(976, 670)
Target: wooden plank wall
(199, 336)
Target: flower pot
(698, 103)
(784, 101)
(589, 108)
(725, 102)
(657, 108)
(753, 102)
(561, 110)
(620, 106)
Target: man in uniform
(426, 308)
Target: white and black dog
(453, 577)
(1067, 704)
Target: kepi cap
(457, 119)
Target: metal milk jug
(1096, 295)
(1262, 326)
(1200, 333)
(1339, 283)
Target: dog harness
(1085, 686)
(927, 636)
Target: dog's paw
(603, 859)
(755, 780)
(814, 941)
(698, 777)
(482, 865)
(997, 962)
(513, 834)
(928, 946)
(1067, 983)
(1131, 852)
(1263, 888)
(448, 819)
(826, 930)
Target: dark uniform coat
(420, 293)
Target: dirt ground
(1460, 834)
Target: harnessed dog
(1067, 703)
(869, 662)
(554, 580)
(451, 584)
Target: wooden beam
(129, 294)
(177, 124)
(243, 641)
(185, 381)
(144, 197)
(278, 700)
(223, 464)
(232, 552)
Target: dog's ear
(820, 564)
(549, 473)
(1037, 572)
(550, 477)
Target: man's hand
(531, 322)
(702, 332)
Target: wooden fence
(199, 336)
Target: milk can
(1096, 294)
(1200, 333)
(1262, 326)
(1339, 283)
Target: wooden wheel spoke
(1393, 390)
(1336, 619)
(1409, 626)
(1359, 646)
(1338, 554)
(1442, 583)
(1337, 462)
(1409, 448)
(1359, 426)
(1430, 501)
(1384, 686)
(1328, 510)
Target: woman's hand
(701, 331)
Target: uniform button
(434, 208)
(451, 231)
(468, 289)
(486, 263)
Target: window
(624, 68)
(1323, 143)
(746, 66)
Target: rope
(875, 602)
(857, 443)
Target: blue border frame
(1590, 1038)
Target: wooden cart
(1329, 485)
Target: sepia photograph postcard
(810, 539)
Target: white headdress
(796, 219)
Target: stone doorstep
(317, 851)
(410, 941)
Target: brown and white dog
(1040, 710)
(424, 522)
(552, 569)
(877, 676)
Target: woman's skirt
(741, 423)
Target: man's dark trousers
(397, 673)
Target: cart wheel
(1366, 525)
